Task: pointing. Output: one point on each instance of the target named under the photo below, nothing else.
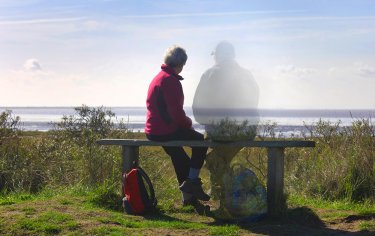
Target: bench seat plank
(207, 143)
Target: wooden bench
(275, 173)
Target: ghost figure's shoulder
(211, 72)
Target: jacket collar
(170, 71)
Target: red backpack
(139, 198)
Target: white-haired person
(167, 120)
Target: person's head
(224, 51)
(175, 57)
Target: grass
(29, 211)
(49, 223)
(79, 211)
(360, 214)
(360, 208)
(110, 230)
(18, 197)
(367, 225)
(229, 230)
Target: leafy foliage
(340, 167)
(230, 130)
(78, 133)
(64, 156)
(9, 125)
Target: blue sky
(303, 54)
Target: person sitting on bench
(166, 120)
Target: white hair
(175, 56)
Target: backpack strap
(148, 181)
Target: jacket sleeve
(174, 99)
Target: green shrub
(9, 150)
(66, 155)
(340, 166)
(79, 132)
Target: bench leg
(275, 182)
(130, 158)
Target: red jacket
(165, 101)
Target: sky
(303, 54)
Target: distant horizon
(42, 118)
(189, 107)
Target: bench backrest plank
(207, 143)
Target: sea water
(289, 122)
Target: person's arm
(174, 99)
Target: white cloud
(332, 70)
(365, 70)
(209, 14)
(292, 70)
(22, 88)
(41, 21)
(91, 25)
(335, 86)
(32, 64)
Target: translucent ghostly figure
(225, 102)
(226, 99)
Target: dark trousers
(181, 161)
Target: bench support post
(130, 158)
(275, 182)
